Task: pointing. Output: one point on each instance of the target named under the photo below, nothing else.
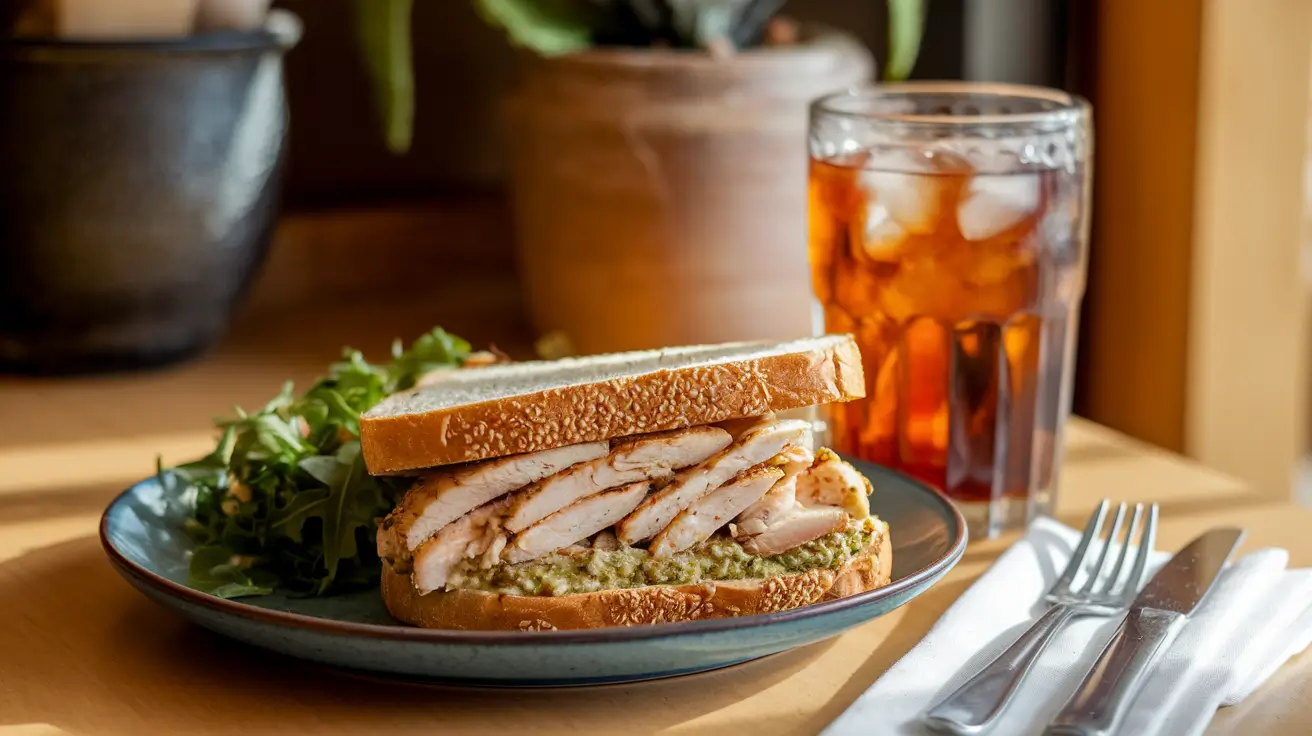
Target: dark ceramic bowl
(139, 185)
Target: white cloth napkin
(1257, 617)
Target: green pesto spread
(719, 558)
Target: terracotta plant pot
(660, 196)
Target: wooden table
(81, 652)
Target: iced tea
(960, 273)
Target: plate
(143, 537)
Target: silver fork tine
(1062, 586)
(1087, 588)
(1130, 533)
(1146, 544)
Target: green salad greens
(284, 501)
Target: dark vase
(139, 187)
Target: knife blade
(1182, 583)
(1155, 617)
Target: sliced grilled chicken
(793, 460)
(811, 504)
(712, 511)
(473, 535)
(606, 541)
(794, 529)
(780, 499)
(442, 497)
(754, 447)
(578, 521)
(645, 457)
(777, 503)
(832, 482)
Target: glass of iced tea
(949, 233)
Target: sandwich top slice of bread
(524, 407)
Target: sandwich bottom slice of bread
(867, 569)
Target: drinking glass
(949, 233)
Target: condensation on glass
(949, 234)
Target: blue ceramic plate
(143, 537)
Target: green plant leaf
(906, 24)
(549, 27)
(384, 36)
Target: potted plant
(657, 158)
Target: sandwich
(625, 489)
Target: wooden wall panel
(1197, 311)
(1248, 338)
(1136, 312)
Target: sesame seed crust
(395, 439)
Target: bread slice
(656, 604)
(538, 405)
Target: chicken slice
(799, 526)
(645, 457)
(473, 535)
(606, 541)
(817, 500)
(578, 521)
(777, 503)
(754, 447)
(793, 460)
(700, 520)
(832, 482)
(440, 498)
(782, 498)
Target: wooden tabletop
(82, 652)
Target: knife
(1154, 619)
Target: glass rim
(1071, 108)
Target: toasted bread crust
(648, 402)
(468, 609)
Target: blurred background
(1193, 335)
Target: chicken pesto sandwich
(632, 488)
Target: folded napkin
(1257, 616)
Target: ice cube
(876, 235)
(992, 204)
(912, 201)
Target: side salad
(284, 501)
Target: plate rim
(610, 634)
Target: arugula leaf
(210, 470)
(290, 519)
(213, 570)
(285, 500)
(342, 516)
(437, 349)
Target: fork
(974, 707)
